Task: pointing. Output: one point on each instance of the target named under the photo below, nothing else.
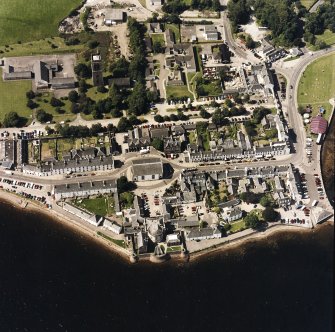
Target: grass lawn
(317, 84)
(237, 226)
(177, 92)
(158, 37)
(172, 249)
(120, 243)
(212, 89)
(328, 37)
(13, 98)
(308, 3)
(23, 20)
(42, 46)
(101, 206)
(175, 30)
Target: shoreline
(16, 201)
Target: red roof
(319, 125)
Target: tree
(269, 214)
(82, 70)
(56, 102)
(158, 118)
(31, 104)
(115, 96)
(73, 96)
(137, 101)
(265, 201)
(219, 119)
(42, 116)
(11, 119)
(126, 199)
(158, 144)
(157, 47)
(123, 185)
(92, 44)
(30, 94)
(124, 125)
(204, 114)
(251, 220)
(249, 197)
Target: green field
(42, 46)
(177, 92)
(175, 30)
(237, 226)
(101, 206)
(308, 3)
(22, 20)
(328, 37)
(158, 37)
(317, 84)
(13, 97)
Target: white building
(90, 218)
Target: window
(153, 177)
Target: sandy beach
(17, 202)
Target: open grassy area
(101, 206)
(158, 37)
(237, 226)
(13, 98)
(175, 30)
(120, 243)
(317, 84)
(308, 3)
(23, 20)
(174, 248)
(42, 46)
(178, 92)
(212, 89)
(328, 37)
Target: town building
(114, 16)
(84, 189)
(96, 64)
(203, 234)
(147, 169)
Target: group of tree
(158, 144)
(238, 12)
(316, 23)
(123, 185)
(12, 119)
(251, 220)
(250, 197)
(259, 113)
(138, 102)
(67, 130)
(180, 116)
(178, 6)
(279, 16)
(42, 116)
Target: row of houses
(74, 161)
(274, 149)
(59, 167)
(84, 189)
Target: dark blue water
(54, 280)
